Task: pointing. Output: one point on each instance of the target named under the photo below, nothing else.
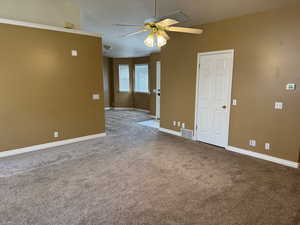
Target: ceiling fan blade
(127, 25)
(134, 33)
(164, 34)
(185, 30)
(167, 22)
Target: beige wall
(267, 52)
(53, 12)
(44, 89)
(108, 81)
(130, 99)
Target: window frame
(142, 92)
(129, 85)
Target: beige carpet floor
(139, 176)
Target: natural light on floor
(150, 123)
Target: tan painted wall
(130, 99)
(122, 99)
(108, 81)
(53, 12)
(152, 69)
(44, 89)
(267, 52)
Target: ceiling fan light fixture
(149, 41)
(161, 40)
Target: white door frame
(197, 90)
(157, 111)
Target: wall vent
(188, 134)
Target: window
(141, 80)
(124, 78)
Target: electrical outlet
(278, 105)
(56, 134)
(96, 96)
(234, 102)
(183, 125)
(252, 143)
(74, 53)
(174, 123)
(178, 124)
(267, 146)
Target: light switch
(96, 96)
(291, 87)
(252, 143)
(278, 105)
(267, 146)
(74, 53)
(234, 102)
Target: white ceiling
(100, 15)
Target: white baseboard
(122, 108)
(141, 110)
(264, 157)
(170, 131)
(152, 116)
(108, 108)
(131, 108)
(49, 145)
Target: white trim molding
(263, 156)
(130, 108)
(173, 132)
(108, 108)
(46, 27)
(49, 145)
(122, 108)
(142, 110)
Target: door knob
(224, 106)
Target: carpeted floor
(139, 176)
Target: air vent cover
(188, 134)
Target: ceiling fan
(159, 26)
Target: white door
(158, 90)
(214, 97)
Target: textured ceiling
(100, 15)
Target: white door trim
(197, 89)
(157, 111)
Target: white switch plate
(234, 102)
(174, 123)
(96, 96)
(252, 143)
(56, 134)
(74, 53)
(291, 87)
(267, 146)
(278, 105)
